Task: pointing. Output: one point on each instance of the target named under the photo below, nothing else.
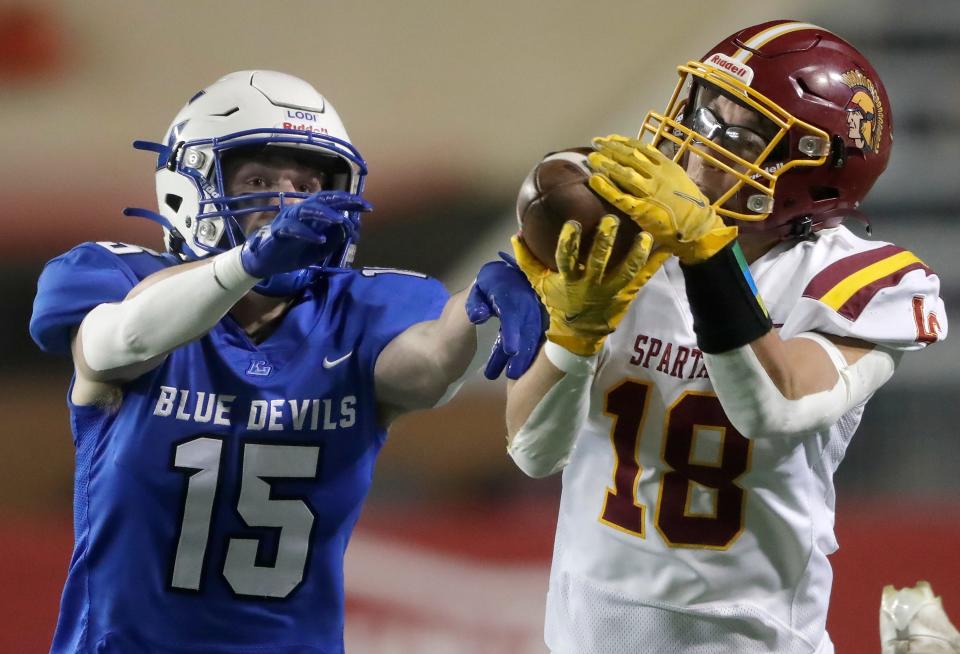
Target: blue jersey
(212, 510)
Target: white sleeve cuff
(568, 362)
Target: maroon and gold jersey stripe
(848, 285)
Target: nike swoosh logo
(327, 363)
(568, 317)
(696, 201)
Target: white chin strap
(544, 443)
(758, 409)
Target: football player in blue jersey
(230, 395)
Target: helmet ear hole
(173, 201)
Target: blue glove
(303, 234)
(502, 290)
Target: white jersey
(677, 533)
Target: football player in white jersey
(699, 404)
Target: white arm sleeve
(167, 314)
(545, 441)
(757, 409)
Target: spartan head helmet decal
(864, 112)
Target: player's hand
(302, 234)
(502, 290)
(587, 302)
(912, 621)
(656, 192)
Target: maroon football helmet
(830, 133)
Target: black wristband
(727, 309)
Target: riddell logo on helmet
(738, 69)
(303, 127)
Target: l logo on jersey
(259, 368)
(928, 331)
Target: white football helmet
(245, 109)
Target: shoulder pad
(885, 295)
(848, 285)
(80, 279)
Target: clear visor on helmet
(732, 141)
(744, 142)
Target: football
(556, 191)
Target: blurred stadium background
(451, 103)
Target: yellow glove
(645, 184)
(587, 302)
